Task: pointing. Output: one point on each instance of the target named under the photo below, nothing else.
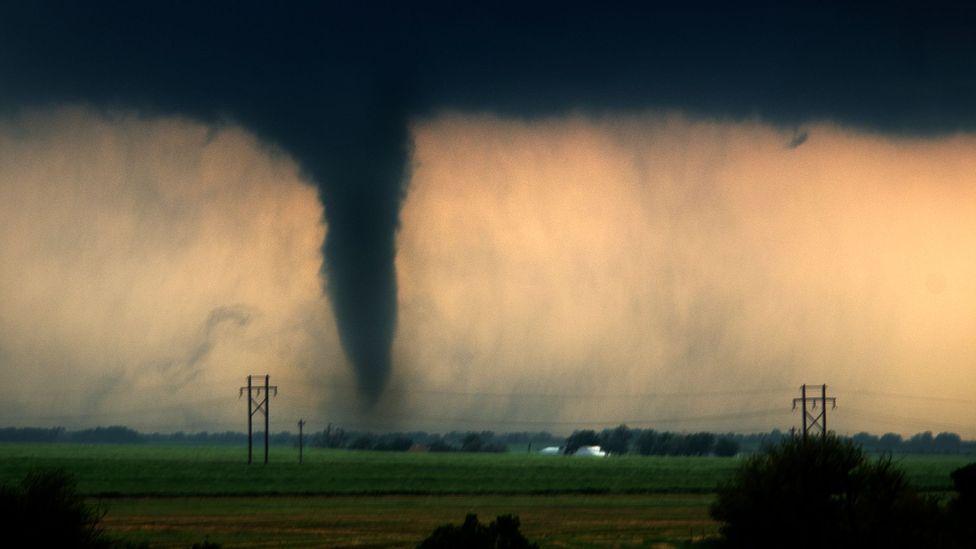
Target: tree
(333, 437)
(471, 443)
(866, 441)
(502, 533)
(699, 444)
(726, 447)
(580, 438)
(45, 510)
(671, 444)
(617, 440)
(947, 443)
(363, 442)
(821, 492)
(889, 442)
(920, 443)
(646, 442)
(393, 443)
(962, 508)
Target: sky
(440, 217)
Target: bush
(45, 510)
(822, 492)
(962, 509)
(502, 533)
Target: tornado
(362, 187)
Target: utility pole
(812, 419)
(255, 404)
(301, 423)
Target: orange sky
(660, 255)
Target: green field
(172, 496)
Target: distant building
(550, 451)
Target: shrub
(962, 509)
(821, 492)
(502, 533)
(45, 510)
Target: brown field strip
(402, 521)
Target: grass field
(172, 496)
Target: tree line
(618, 440)
(454, 441)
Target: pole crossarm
(814, 419)
(256, 401)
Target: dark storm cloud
(336, 86)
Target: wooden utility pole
(301, 423)
(255, 404)
(250, 418)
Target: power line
(176, 406)
(688, 419)
(892, 418)
(913, 397)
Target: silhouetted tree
(646, 442)
(699, 444)
(471, 443)
(671, 444)
(362, 442)
(616, 440)
(502, 533)
(822, 492)
(115, 434)
(333, 437)
(920, 443)
(440, 446)
(726, 447)
(889, 442)
(961, 511)
(946, 443)
(580, 438)
(45, 510)
(866, 441)
(393, 443)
